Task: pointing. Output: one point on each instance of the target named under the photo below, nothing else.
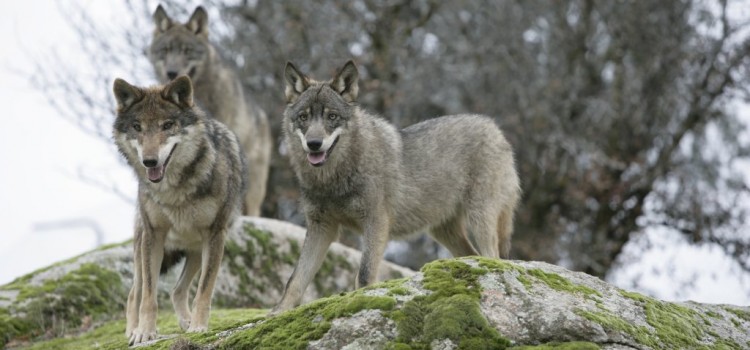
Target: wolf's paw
(140, 336)
(184, 323)
(197, 329)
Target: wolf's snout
(171, 75)
(314, 145)
(150, 163)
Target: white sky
(40, 153)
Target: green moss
(497, 265)
(256, 265)
(525, 280)
(22, 281)
(612, 322)
(111, 335)
(576, 345)
(12, 327)
(672, 326)
(456, 317)
(394, 287)
(240, 265)
(560, 283)
(267, 256)
(398, 346)
(736, 322)
(398, 291)
(296, 328)
(676, 326)
(725, 345)
(451, 311)
(745, 315)
(59, 306)
(635, 296)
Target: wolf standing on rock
(357, 170)
(184, 49)
(191, 180)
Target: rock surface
(258, 260)
(466, 303)
(479, 303)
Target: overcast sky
(49, 213)
(42, 154)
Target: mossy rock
(72, 295)
(465, 303)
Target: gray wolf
(356, 170)
(184, 49)
(191, 180)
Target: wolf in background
(184, 49)
(356, 170)
(191, 180)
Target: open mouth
(156, 174)
(317, 159)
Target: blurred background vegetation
(624, 115)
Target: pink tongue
(316, 158)
(155, 173)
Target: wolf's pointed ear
(346, 82)
(296, 82)
(198, 22)
(161, 20)
(179, 91)
(126, 94)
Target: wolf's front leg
(181, 289)
(152, 253)
(213, 250)
(134, 297)
(375, 240)
(319, 237)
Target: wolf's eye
(333, 116)
(187, 50)
(137, 126)
(302, 116)
(168, 125)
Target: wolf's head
(180, 49)
(151, 123)
(318, 115)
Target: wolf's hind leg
(504, 231)
(483, 227)
(181, 289)
(213, 251)
(452, 235)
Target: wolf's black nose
(171, 75)
(149, 163)
(314, 145)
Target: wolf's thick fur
(191, 181)
(357, 170)
(184, 49)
